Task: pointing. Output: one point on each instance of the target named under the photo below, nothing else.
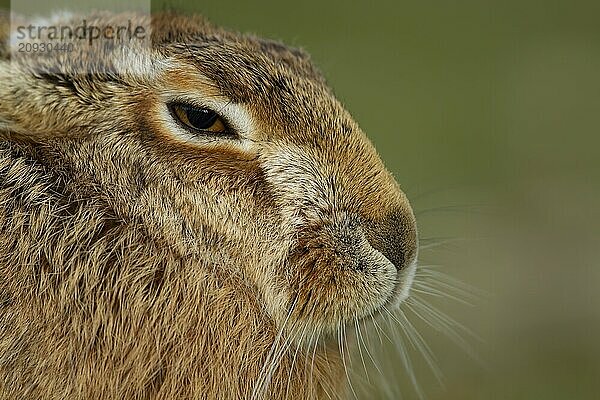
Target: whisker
(420, 287)
(378, 330)
(324, 388)
(312, 365)
(430, 243)
(445, 320)
(263, 380)
(382, 331)
(341, 329)
(454, 208)
(278, 358)
(419, 342)
(298, 345)
(360, 348)
(442, 323)
(361, 338)
(431, 273)
(406, 361)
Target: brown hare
(194, 217)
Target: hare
(196, 218)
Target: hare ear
(293, 58)
(276, 48)
(283, 53)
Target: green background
(487, 113)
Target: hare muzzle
(355, 246)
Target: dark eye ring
(198, 119)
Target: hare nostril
(395, 237)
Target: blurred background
(487, 113)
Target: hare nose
(395, 237)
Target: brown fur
(137, 264)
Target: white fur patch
(407, 277)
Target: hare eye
(197, 119)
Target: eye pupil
(197, 119)
(201, 118)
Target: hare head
(227, 155)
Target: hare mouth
(332, 289)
